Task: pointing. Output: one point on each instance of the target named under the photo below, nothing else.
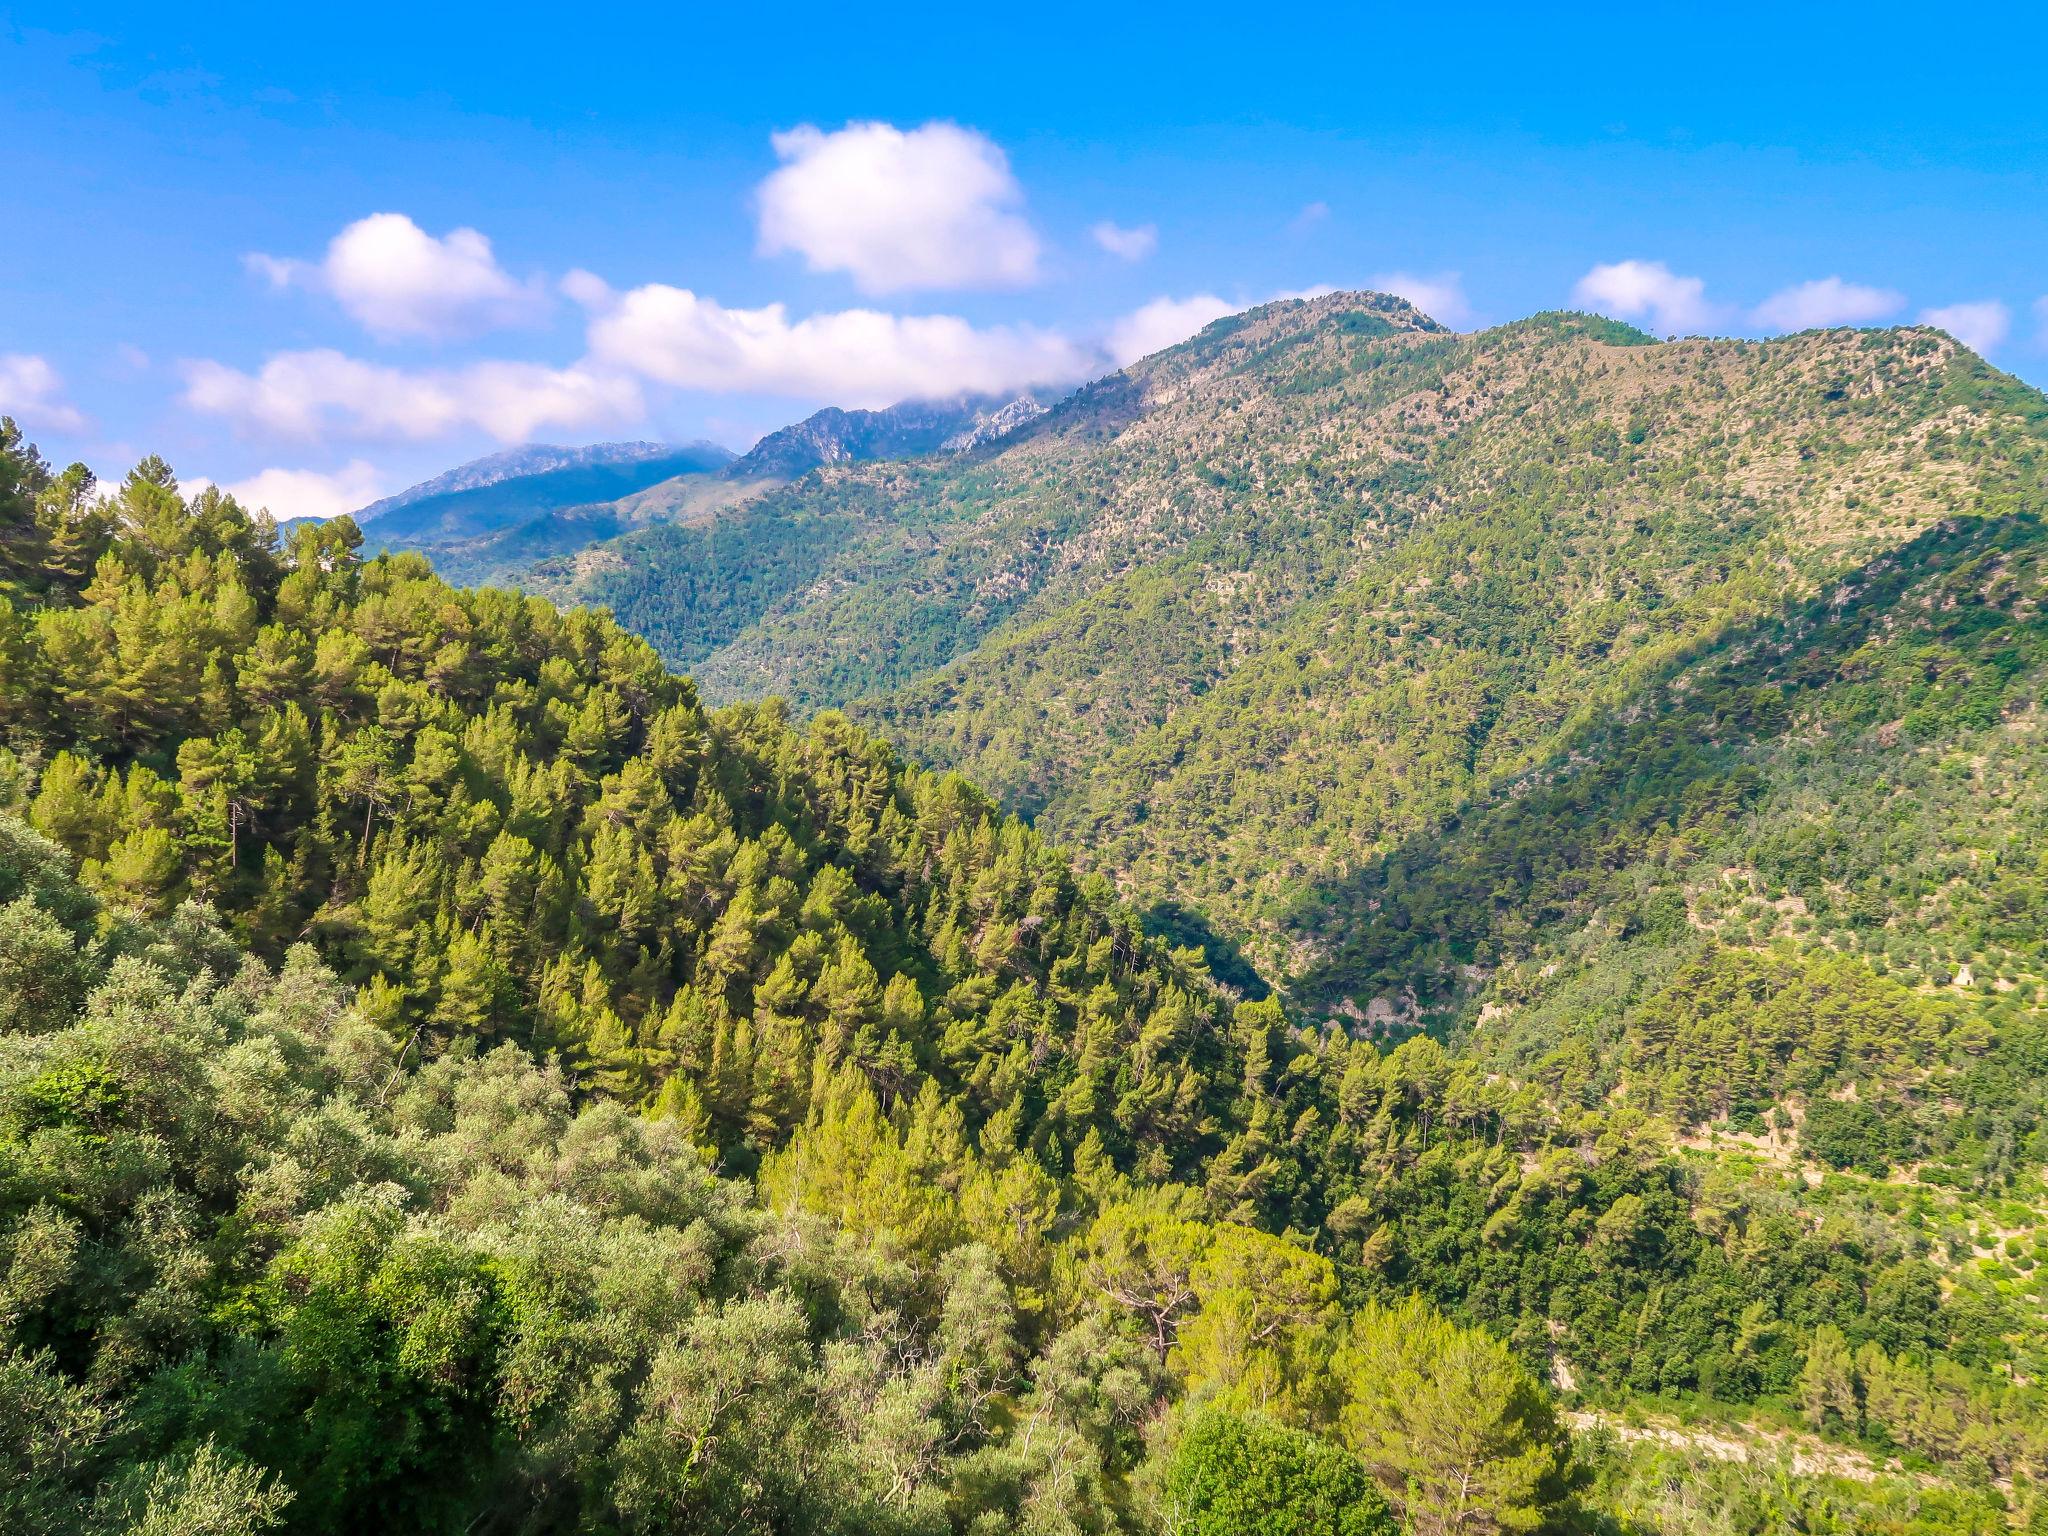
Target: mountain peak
(1267, 331)
(908, 429)
(1399, 313)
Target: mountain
(1277, 608)
(452, 1079)
(531, 461)
(904, 431)
(490, 494)
(512, 464)
(496, 529)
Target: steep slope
(1019, 1195)
(1862, 772)
(1532, 597)
(1281, 601)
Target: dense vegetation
(451, 1079)
(287, 1245)
(1272, 610)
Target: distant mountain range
(488, 496)
(528, 462)
(493, 519)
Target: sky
(318, 257)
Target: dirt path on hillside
(1811, 1456)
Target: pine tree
(1458, 1434)
(1827, 1382)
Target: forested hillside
(1263, 615)
(452, 1080)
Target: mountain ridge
(529, 505)
(518, 463)
(1180, 618)
(908, 429)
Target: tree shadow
(1564, 839)
(1187, 927)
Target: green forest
(452, 1079)
(1257, 625)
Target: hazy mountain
(556, 514)
(479, 500)
(510, 464)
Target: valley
(1376, 905)
(1127, 773)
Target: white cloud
(931, 208)
(1980, 326)
(1163, 323)
(282, 271)
(33, 392)
(1647, 290)
(1826, 301)
(859, 357)
(1127, 244)
(586, 288)
(1312, 216)
(397, 280)
(320, 394)
(292, 493)
(851, 357)
(1440, 296)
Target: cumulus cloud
(295, 493)
(398, 281)
(1440, 296)
(1127, 244)
(1647, 290)
(320, 394)
(853, 357)
(1980, 326)
(32, 392)
(1826, 301)
(859, 357)
(934, 207)
(1163, 323)
(671, 337)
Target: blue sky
(318, 257)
